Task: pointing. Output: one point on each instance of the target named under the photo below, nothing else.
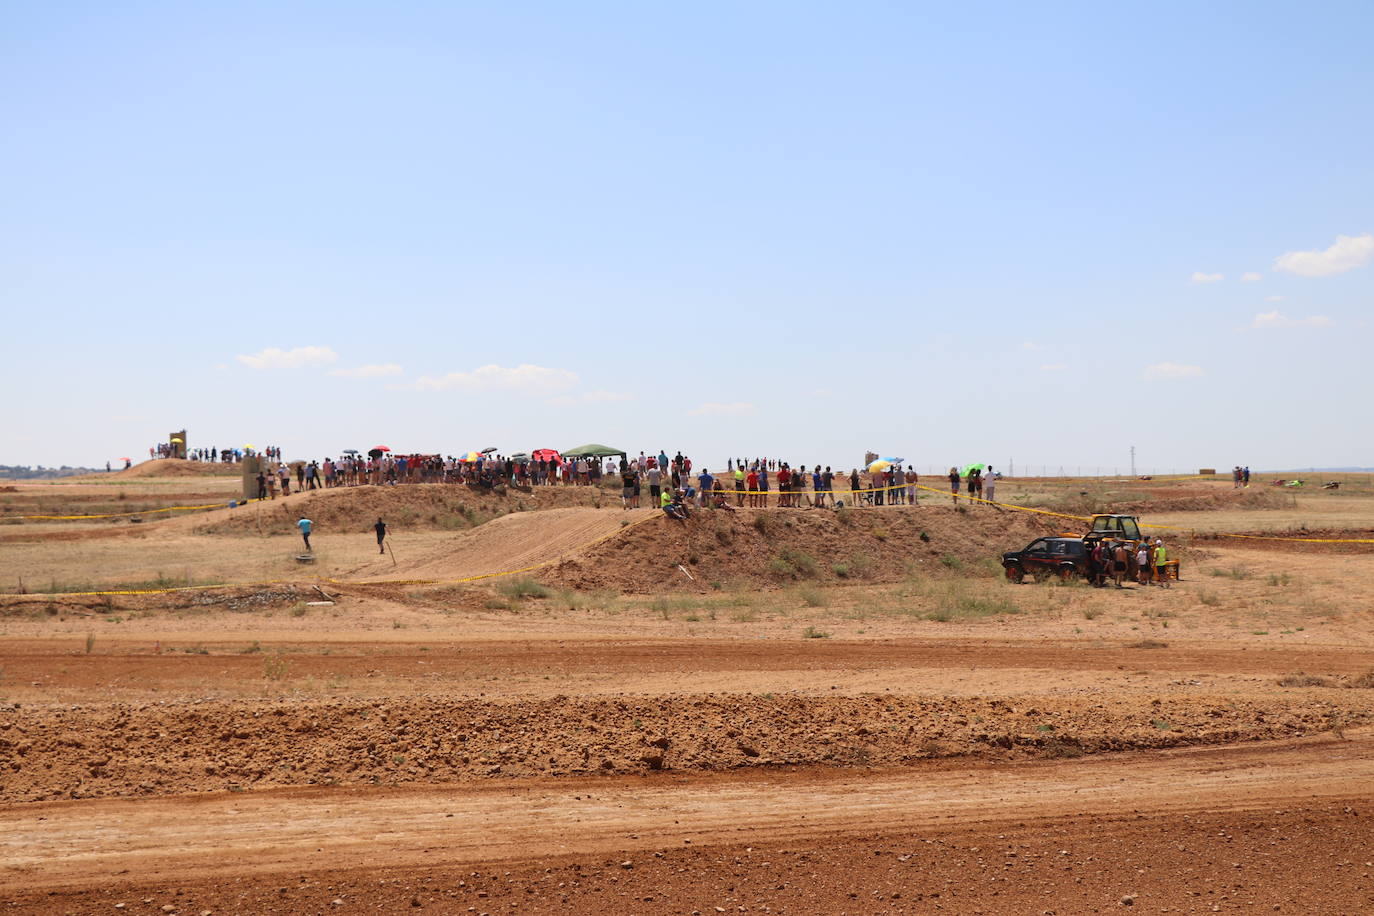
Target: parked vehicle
(1065, 557)
(1069, 556)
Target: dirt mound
(412, 507)
(761, 547)
(172, 467)
(514, 541)
(75, 751)
(1207, 502)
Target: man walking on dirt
(380, 528)
(305, 525)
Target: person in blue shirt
(305, 525)
(705, 480)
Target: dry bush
(1305, 680)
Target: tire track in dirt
(92, 842)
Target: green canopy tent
(593, 450)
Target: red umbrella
(124, 459)
(380, 448)
(548, 454)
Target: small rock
(336, 902)
(627, 864)
(1128, 900)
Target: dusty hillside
(408, 507)
(171, 467)
(749, 548)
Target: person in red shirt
(752, 481)
(784, 486)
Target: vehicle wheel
(1015, 573)
(1067, 574)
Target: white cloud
(1276, 319)
(1054, 367)
(1172, 370)
(374, 370)
(1346, 253)
(524, 378)
(589, 397)
(1030, 345)
(295, 358)
(1200, 277)
(1251, 277)
(733, 409)
(1273, 298)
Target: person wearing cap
(1161, 560)
(380, 528)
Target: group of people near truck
(1112, 561)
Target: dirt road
(90, 848)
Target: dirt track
(85, 848)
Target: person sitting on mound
(673, 505)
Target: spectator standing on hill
(978, 483)
(854, 486)
(305, 525)
(912, 478)
(628, 482)
(262, 485)
(954, 484)
(300, 478)
(705, 482)
(739, 484)
(763, 486)
(753, 481)
(380, 529)
(990, 484)
(655, 476)
(971, 482)
(1245, 472)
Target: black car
(1062, 557)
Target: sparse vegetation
(522, 587)
(793, 564)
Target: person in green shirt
(1161, 558)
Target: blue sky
(953, 232)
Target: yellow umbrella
(879, 466)
(175, 439)
(249, 445)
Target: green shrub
(523, 587)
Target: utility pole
(1132, 460)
